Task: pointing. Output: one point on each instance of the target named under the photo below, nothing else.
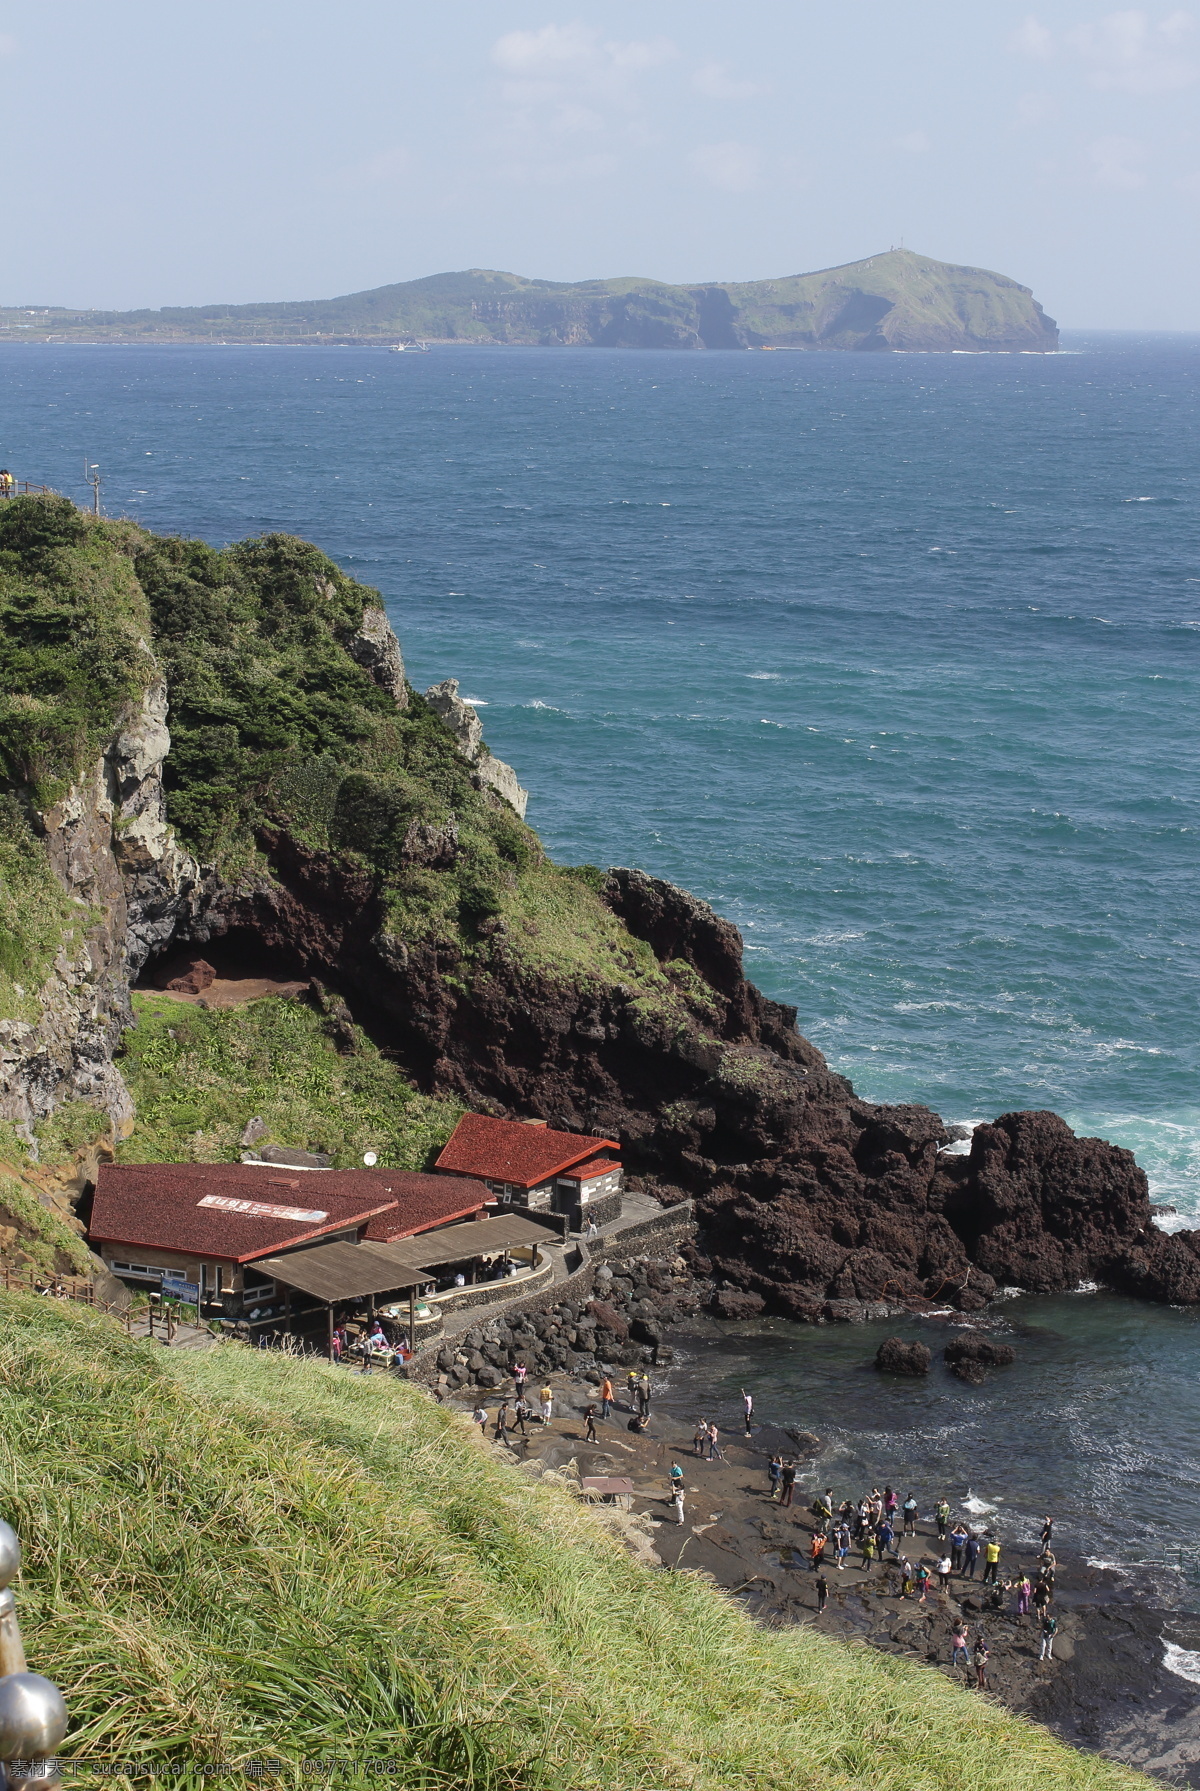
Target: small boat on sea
(409, 348)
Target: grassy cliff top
(949, 303)
(231, 1555)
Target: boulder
(489, 1377)
(737, 1302)
(608, 1319)
(975, 1346)
(198, 976)
(896, 1355)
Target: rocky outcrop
(375, 647)
(896, 1356)
(971, 1354)
(464, 723)
(117, 859)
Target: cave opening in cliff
(238, 966)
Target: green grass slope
(933, 303)
(196, 1077)
(234, 1556)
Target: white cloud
(572, 52)
(715, 82)
(567, 81)
(913, 143)
(730, 167)
(1129, 53)
(1117, 163)
(1033, 40)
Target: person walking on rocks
(774, 1472)
(1049, 1631)
(676, 1477)
(547, 1400)
(971, 1556)
(502, 1422)
(643, 1389)
(982, 1656)
(958, 1642)
(788, 1481)
(941, 1516)
(747, 1408)
(479, 1416)
(714, 1448)
(606, 1396)
(943, 1568)
(700, 1440)
(520, 1413)
(1024, 1591)
(922, 1581)
(991, 1563)
(1047, 1532)
(590, 1415)
(867, 1546)
(519, 1373)
(910, 1515)
(822, 1593)
(816, 1550)
(1040, 1597)
(823, 1508)
(677, 1504)
(906, 1578)
(841, 1543)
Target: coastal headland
(221, 751)
(896, 300)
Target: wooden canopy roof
(333, 1272)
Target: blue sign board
(181, 1290)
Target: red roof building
(203, 1225)
(531, 1165)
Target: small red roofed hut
(524, 1163)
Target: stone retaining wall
(661, 1232)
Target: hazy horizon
(253, 154)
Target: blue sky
(250, 149)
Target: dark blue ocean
(895, 659)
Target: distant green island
(897, 301)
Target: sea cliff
(220, 752)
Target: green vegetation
(920, 303)
(230, 1557)
(34, 914)
(197, 1076)
(73, 626)
(40, 1236)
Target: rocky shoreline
(1107, 1689)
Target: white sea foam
(476, 702)
(977, 1507)
(1087, 1287)
(1183, 1662)
(764, 674)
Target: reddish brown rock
(896, 1356)
(809, 1199)
(198, 976)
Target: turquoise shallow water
(894, 659)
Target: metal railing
(33, 1712)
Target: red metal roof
(424, 1202)
(505, 1150)
(236, 1211)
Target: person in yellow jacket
(991, 1563)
